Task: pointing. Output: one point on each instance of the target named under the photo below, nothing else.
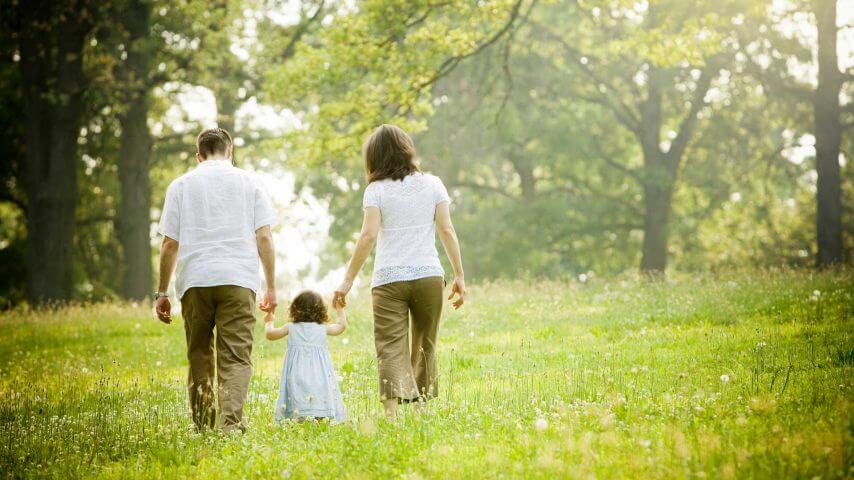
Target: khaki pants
(230, 309)
(403, 373)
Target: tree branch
(686, 128)
(622, 110)
(480, 186)
(617, 165)
(300, 31)
(597, 194)
(451, 62)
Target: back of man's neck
(212, 158)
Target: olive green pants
(230, 310)
(407, 373)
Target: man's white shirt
(213, 212)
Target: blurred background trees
(575, 136)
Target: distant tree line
(576, 136)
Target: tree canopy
(575, 136)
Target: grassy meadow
(737, 375)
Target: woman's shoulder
(430, 178)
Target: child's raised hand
(268, 317)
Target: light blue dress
(309, 386)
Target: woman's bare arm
(448, 236)
(367, 240)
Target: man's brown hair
(389, 153)
(213, 141)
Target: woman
(403, 210)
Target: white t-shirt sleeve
(170, 219)
(440, 192)
(372, 196)
(265, 214)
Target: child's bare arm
(337, 328)
(271, 332)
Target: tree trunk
(657, 180)
(828, 135)
(226, 106)
(657, 205)
(51, 45)
(525, 170)
(134, 222)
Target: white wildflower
(725, 378)
(541, 424)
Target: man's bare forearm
(168, 256)
(267, 253)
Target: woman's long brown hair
(389, 153)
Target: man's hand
(341, 292)
(164, 309)
(269, 303)
(459, 289)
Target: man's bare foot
(390, 407)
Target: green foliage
(519, 105)
(733, 376)
(376, 65)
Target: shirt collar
(216, 162)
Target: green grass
(613, 378)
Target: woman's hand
(338, 303)
(458, 288)
(341, 292)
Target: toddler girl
(308, 388)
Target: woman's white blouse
(406, 245)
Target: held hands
(458, 288)
(338, 303)
(268, 317)
(269, 303)
(341, 292)
(164, 309)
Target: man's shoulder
(179, 181)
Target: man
(215, 225)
